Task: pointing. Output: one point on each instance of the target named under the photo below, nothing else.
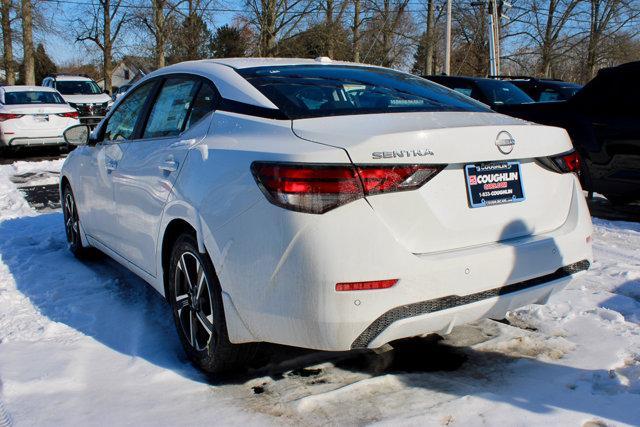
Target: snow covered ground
(91, 344)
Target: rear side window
(171, 108)
(122, 122)
(549, 95)
(32, 97)
(304, 91)
(204, 103)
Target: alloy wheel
(71, 223)
(193, 301)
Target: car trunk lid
(438, 216)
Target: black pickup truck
(603, 120)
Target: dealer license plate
(494, 183)
(41, 117)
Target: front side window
(78, 87)
(303, 91)
(122, 122)
(32, 97)
(171, 108)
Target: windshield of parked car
(503, 93)
(304, 91)
(32, 97)
(77, 87)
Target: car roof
(231, 85)
(467, 78)
(240, 63)
(24, 88)
(71, 77)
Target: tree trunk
(386, 34)
(159, 24)
(268, 28)
(28, 61)
(7, 40)
(547, 43)
(431, 39)
(106, 57)
(356, 31)
(329, 28)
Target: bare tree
(334, 12)
(276, 19)
(160, 23)
(550, 30)
(106, 19)
(389, 30)
(7, 40)
(28, 62)
(606, 19)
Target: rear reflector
(317, 189)
(70, 114)
(9, 116)
(365, 286)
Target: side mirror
(77, 135)
(107, 91)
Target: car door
(151, 164)
(98, 166)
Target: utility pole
(447, 49)
(496, 32)
(493, 65)
(494, 8)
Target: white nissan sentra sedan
(325, 205)
(33, 116)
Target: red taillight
(319, 188)
(9, 116)
(365, 286)
(70, 114)
(563, 163)
(569, 162)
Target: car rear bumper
(442, 314)
(32, 141)
(288, 296)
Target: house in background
(128, 71)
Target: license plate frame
(494, 183)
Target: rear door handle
(169, 165)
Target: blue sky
(63, 48)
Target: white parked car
(83, 94)
(33, 116)
(321, 204)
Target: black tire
(198, 311)
(72, 224)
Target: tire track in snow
(5, 419)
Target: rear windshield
(77, 87)
(304, 91)
(503, 93)
(32, 97)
